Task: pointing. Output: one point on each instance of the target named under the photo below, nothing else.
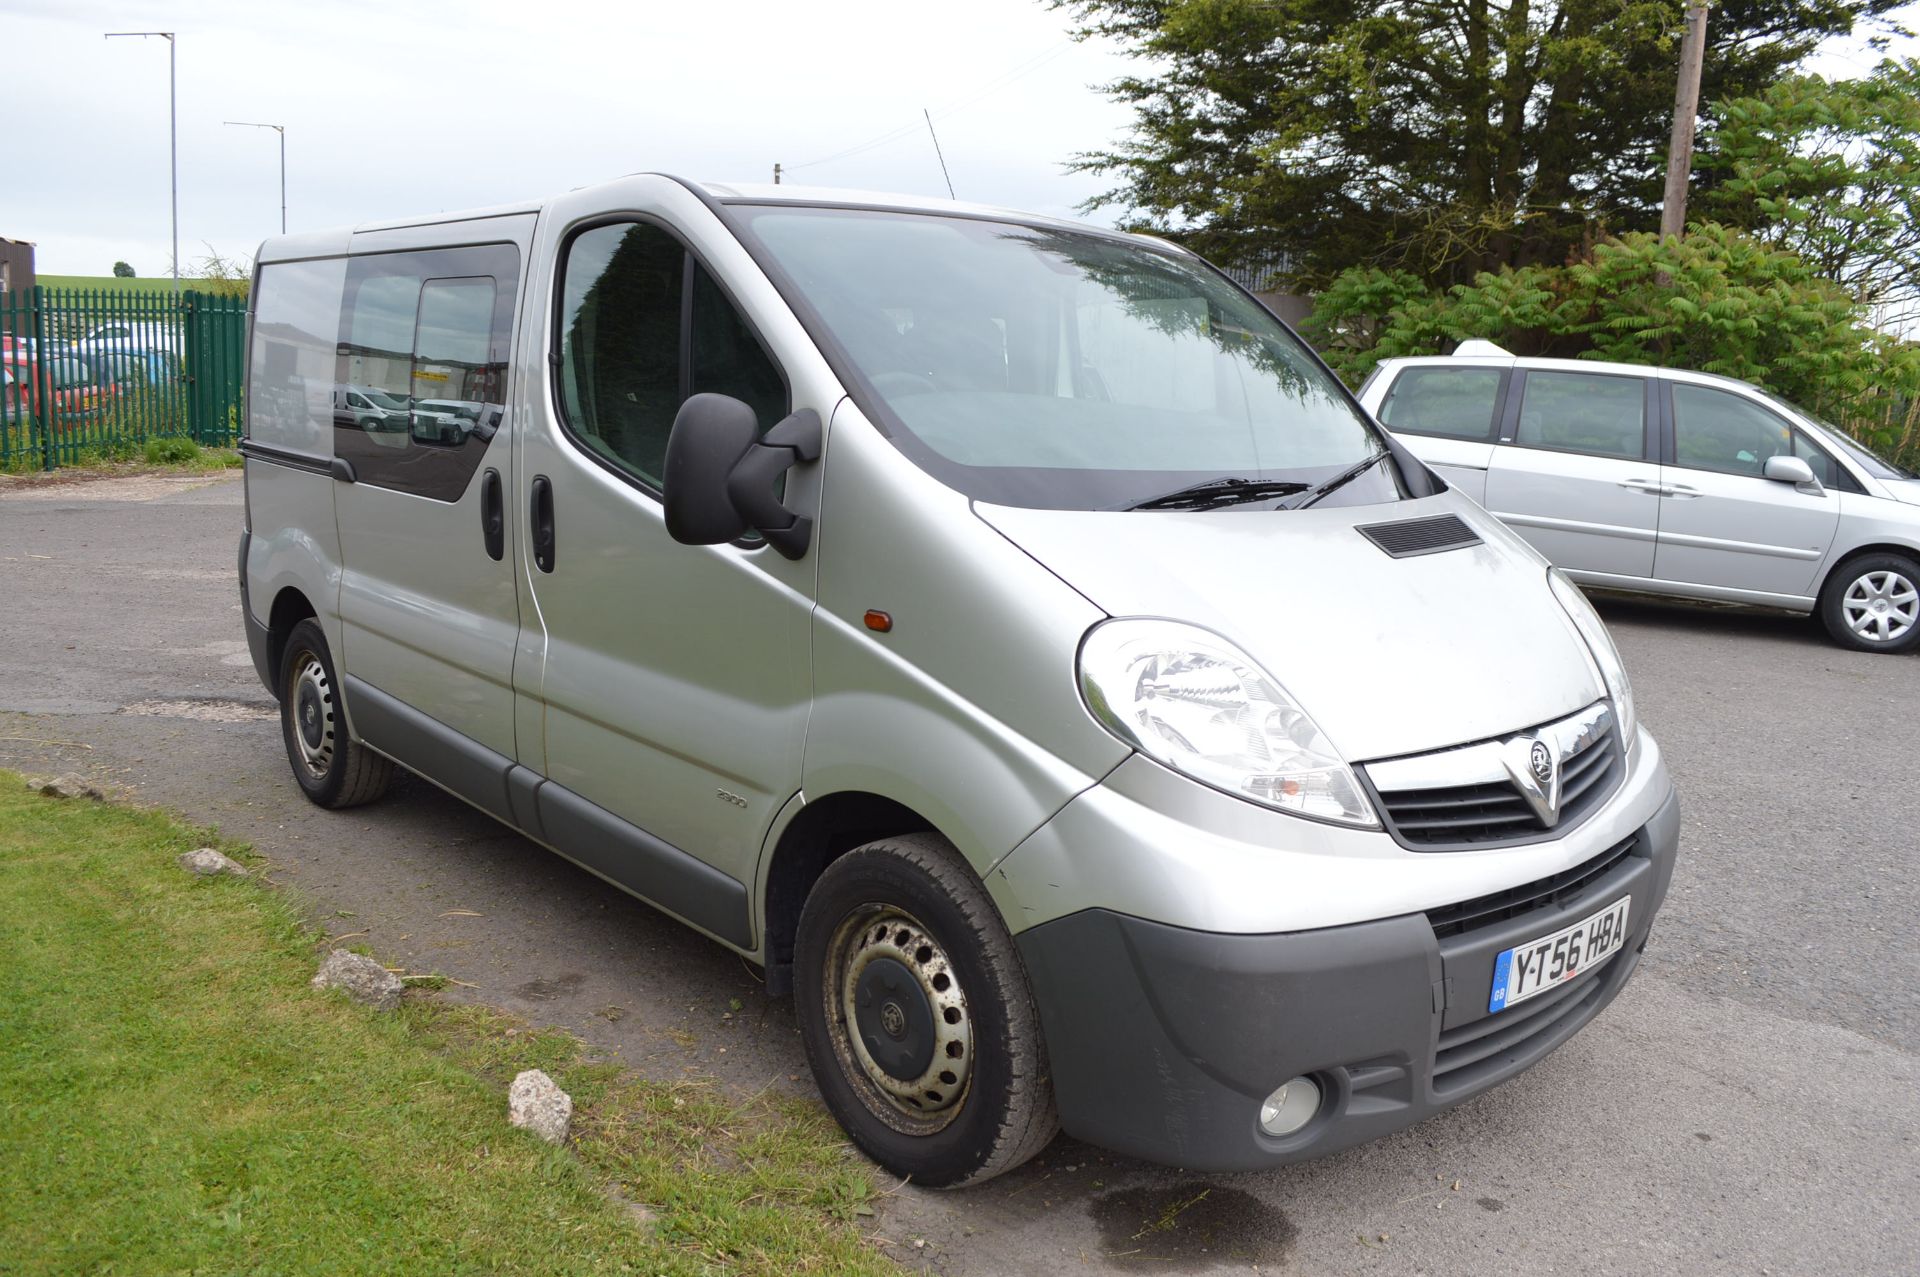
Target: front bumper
(1164, 1040)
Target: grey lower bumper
(1164, 1041)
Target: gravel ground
(1750, 1104)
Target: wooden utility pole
(1686, 109)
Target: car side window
(642, 326)
(1595, 413)
(1456, 403)
(422, 365)
(1717, 430)
(1817, 461)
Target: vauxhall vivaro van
(1003, 630)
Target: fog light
(1291, 1107)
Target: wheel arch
(822, 831)
(290, 607)
(1840, 564)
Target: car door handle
(542, 512)
(1647, 486)
(1683, 490)
(493, 515)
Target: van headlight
(1600, 643)
(1200, 705)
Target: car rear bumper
(1164, 1041)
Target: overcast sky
(414, 106)
(419, 105)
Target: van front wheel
(917, 1017)
(333, 769)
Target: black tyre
(1872, 604)
(332, 769)
(917, 1017)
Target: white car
(1670, 482)
(138, 334)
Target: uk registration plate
(1539, 965)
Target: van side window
(290, 374)
(1600, 415)
(642, 326)
(421, 372)
(727, 358)
(1456, 403)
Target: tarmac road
(1750, 1104)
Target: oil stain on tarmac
(1189, 1227)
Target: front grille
(1555, 891)
(1493, 812)
(1410, 537)
(1467, 1055)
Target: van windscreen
(1038, 366)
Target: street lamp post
(173, 141)
(281, 129)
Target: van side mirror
(720, 473)
(1795, 471)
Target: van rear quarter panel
(295, 542)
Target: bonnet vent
(1420, 536)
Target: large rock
(70, 785)
(207, 862)
(363, 979)
(536, 1102)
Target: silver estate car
(1002, 630)
(1670, 482)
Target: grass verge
(169, 454)
(174, 1098)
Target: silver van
(1002, 630)
(1669, 481)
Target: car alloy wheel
(1881, 606)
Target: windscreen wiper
(1215, 493)
(1340, 480)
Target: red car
(75, 392)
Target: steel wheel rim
(930, 1100)
(310, 708)
(1881, 607)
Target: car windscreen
(1044, 367)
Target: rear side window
(1457, 403)
(1603, 416)
(642, 326)
(423, 343)
(296, 321)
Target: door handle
(1683, 490)
(1647, 486)
(542, 502)
(493, 515)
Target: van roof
(331, 241)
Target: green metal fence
(91, 375)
